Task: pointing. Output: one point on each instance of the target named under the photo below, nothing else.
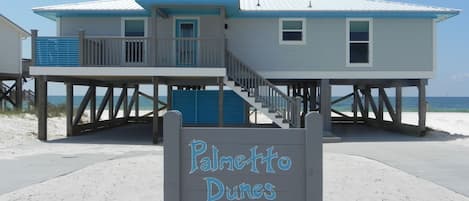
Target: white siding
(10, 49)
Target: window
(134, 31)
(134, 28)
(359, 42)
(292, 31)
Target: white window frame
(303, 32)
(370, 42)
(145, 21)
(145, 34)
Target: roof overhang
(53, 15)
(439, 16)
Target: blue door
(186, 42)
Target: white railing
(143, 51)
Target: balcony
(90, 51)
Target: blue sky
(452, 77)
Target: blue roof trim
(380, 14)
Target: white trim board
(347, 74)
(303, 31)
(128, 71)
(370, 43)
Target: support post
(305, 98)
(313, 97)
(69, 109)
(220, 102)
(355, 104)
(81, 38)
(170, 98)
(111, 103)
(325, 109)
(398, 105)
(93, 105)
(156, 139)
(367, 103)
(42, 107)
(422, 106)
(137, 101)
(34, 35)
(380, 106)
(125, 100)
(19, 93)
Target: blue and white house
(279, 57)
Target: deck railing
(128, 51)
(263, 91)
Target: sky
(452, 76)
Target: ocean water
(409, 104)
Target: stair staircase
(283, 110)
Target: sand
(140, 178)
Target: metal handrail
(263, 90)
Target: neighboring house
(256, 47)
(11, 37)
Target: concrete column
(220, 102)
(155, 110)
(41, 93)
(422, 106)
(325, 108)
(69, 108)
(19, 93)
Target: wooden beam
(69, 108)
(220, 102)
(125, 92)
(42, 107)
(355, 104)
(342, 98)
(156, 138)
(119, 104)
(93, 119)
(422, 107)
(111, 102)
(170, 97)
(367, 93)
(82, 107)
(103, 104)
(388, 104)
(380, 105)
(137, 101)
(19, 93)
(398, 119)
(366, 108)
(313, 97)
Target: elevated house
(11, 65)
(280, 57)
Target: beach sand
(141, 178)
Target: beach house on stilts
(12, 71)
(279, 57)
